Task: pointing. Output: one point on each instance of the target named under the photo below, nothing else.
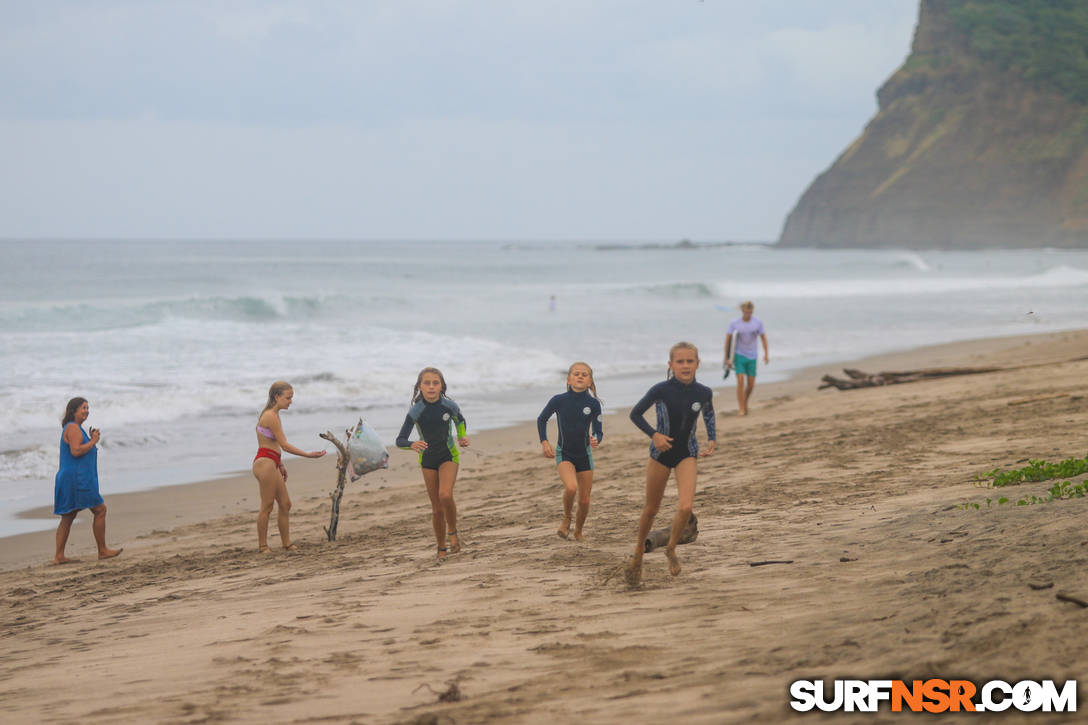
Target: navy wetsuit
(437, 424)
(678, 408)
(575, 413)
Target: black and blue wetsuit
(439, 425)
(575, 413)
(678, 409)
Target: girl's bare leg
(447, 476)
(283, 508)
(98, 526)
(438, 517)
(570, 488)
(685, 498)
(63, 529)
(268, 481)
(585, 486)
(657, 476)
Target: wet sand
(860, 490)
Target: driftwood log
(341, 479)
(660, 537)
(858, 379)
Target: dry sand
(890, 576)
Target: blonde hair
(680, 346)
(416, 394)
(747, 305)
(278, 388)
(592, 385)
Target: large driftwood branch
(858, 379)
(341, 479)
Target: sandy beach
(861, 491)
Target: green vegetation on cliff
(1045, 41)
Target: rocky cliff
(981, 138)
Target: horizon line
(517, 240)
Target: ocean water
(175, 343)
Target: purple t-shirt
(748, 337)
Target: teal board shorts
(744, 365)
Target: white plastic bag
(366, 450)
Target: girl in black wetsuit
(576, 411)
(680, 401)
(437, 419)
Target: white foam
(915, 260)
(36, 462)
(1056, 277)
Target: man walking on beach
(748, 329)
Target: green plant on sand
(1036, 470)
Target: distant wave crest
(1056, 277)
(912, 260)
(681, 290)
(122, 314)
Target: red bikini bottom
(274, 457)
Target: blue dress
(77, 480)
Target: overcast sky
(431, 119)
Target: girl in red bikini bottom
(274, 456)
(268, 467)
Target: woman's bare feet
(62, 559)
(455, 542)
(109, 553)
(264, 549)
(674, 563)
(290, 547)
(564, 528)
(633, 573)
(441, 553)
(577, 534)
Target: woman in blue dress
(77, 481)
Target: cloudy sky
(430, 119)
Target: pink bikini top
(266, 432)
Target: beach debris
(364, 452)
(859, 379)
(847, 558)
(1038, 587)
(1069, 598)
(770, 561)
(341, 479)
(451, 694)
(366, 449)
(660, 537)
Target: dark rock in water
(980, 141)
